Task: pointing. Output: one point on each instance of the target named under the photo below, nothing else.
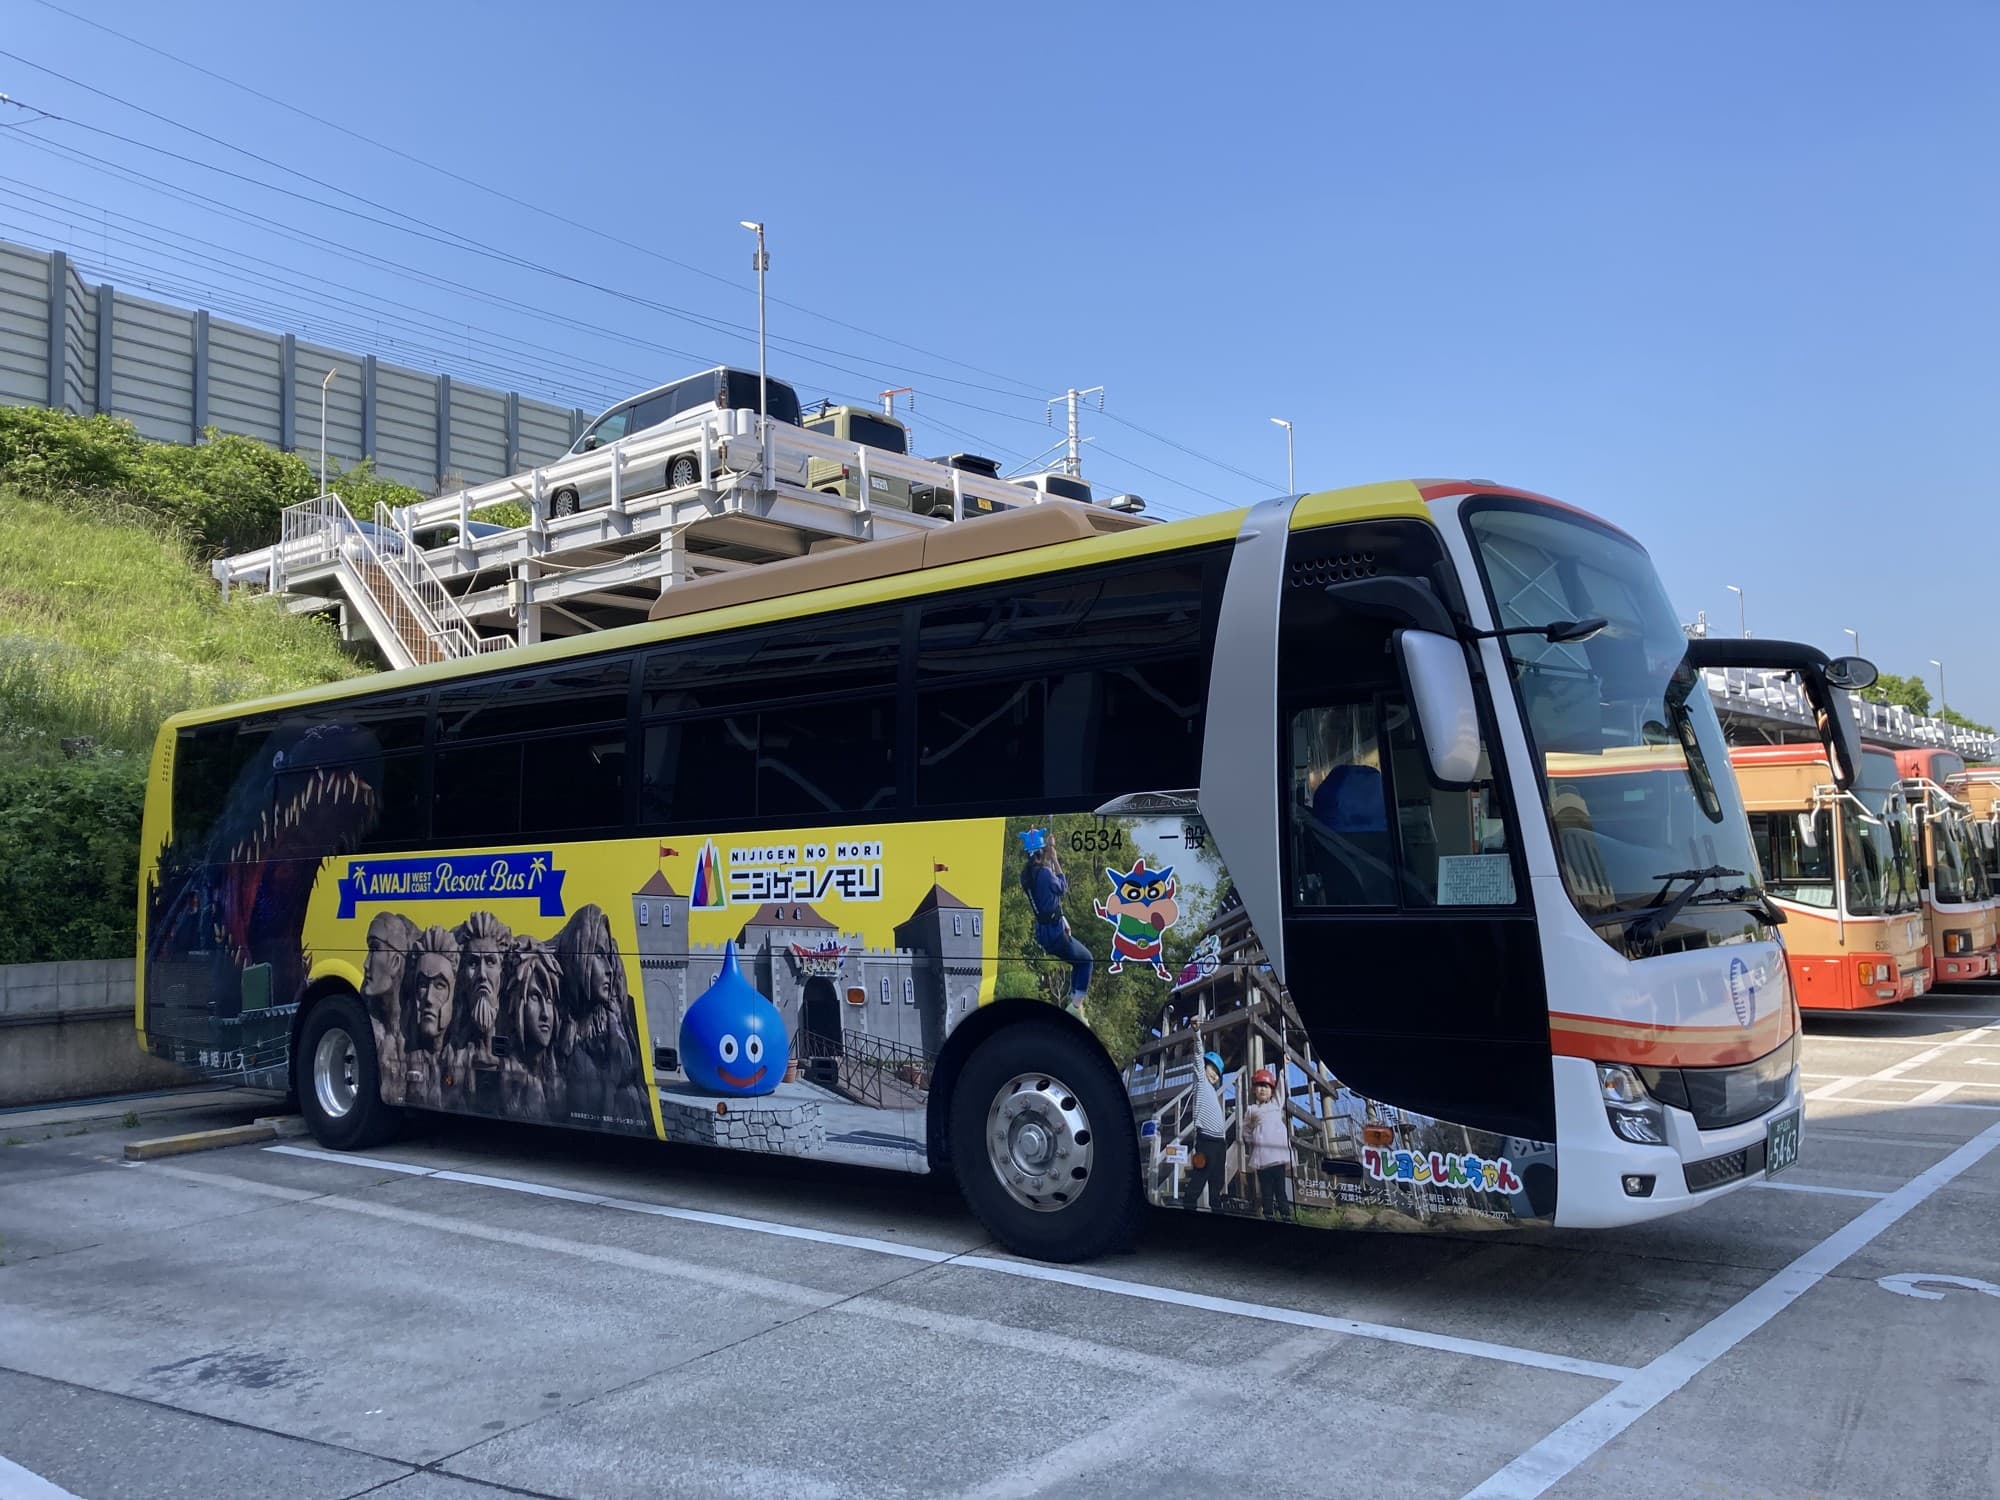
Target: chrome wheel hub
(335, 1070)
(1038, 1141)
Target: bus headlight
(1634, 1114)
(1872, 971)
(1958, 941)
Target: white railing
(1755, 694)
(423, 619)
(726, 446)
(438, 604)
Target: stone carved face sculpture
(533, 980)
(432, 980)
(389, 940)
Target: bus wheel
(338, 1078)
(1042, 1140)
(682, 472)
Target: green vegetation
(223, 495)
(1912, 693)
(108, 624)
(131, 1120)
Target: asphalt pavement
(477, 1311)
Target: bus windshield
(1956, 877)
(1635, 770)
(1878, 849)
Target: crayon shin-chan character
(1140, 909)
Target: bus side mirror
(1826, 684)
(1809, 830)
(1447, 708)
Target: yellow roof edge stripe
(1324, 508)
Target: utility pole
(889, 399)
(1073, 464)
(761, 263)
(1742, 623)
(1943, 702)
(322, 427)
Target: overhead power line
(452, 240)
(507, 197)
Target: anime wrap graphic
(474, 1017)
(1140, 909)
(1045, 885)
(1191, 1052)
(732, 1039)
(225, 913)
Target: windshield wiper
(1652, 919)
(1761, 906)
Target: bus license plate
(1781, 1144)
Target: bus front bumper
(1604, 1181)
(1955, 967)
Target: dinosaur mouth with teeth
(319, 813)
(237, 897)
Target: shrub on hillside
(69, 858)
(46, 452)
(226, 492)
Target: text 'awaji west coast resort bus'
(1365, 858)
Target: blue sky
(1722, 273)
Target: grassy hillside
(108, 624)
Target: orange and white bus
(1959, 907)
(1978, 788)
(1843, 865)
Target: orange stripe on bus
(1604, 1040)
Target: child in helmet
(1211, 1137)
(1267, 1145)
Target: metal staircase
(623, 538)
(387, 579)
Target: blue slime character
(733, 1040)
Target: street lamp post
(1855, 635)
(761, 264)
(1291, 486)
(1740, 619)
(1943, 703)
(322, 427)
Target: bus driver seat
(1346, 826)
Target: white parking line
(1894, 1070)
(1937, 1093)
(17, 1483)
(1604, 1419)
(1814, 1187)
(1029, 1270)
(1886, 1014)
(1896, 1041)
(1915, 1103)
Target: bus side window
(1341, 851)
(1089, 685)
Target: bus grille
(1717, 1170)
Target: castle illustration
(838, 996)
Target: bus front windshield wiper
(1761, 905)
(1654, 919)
